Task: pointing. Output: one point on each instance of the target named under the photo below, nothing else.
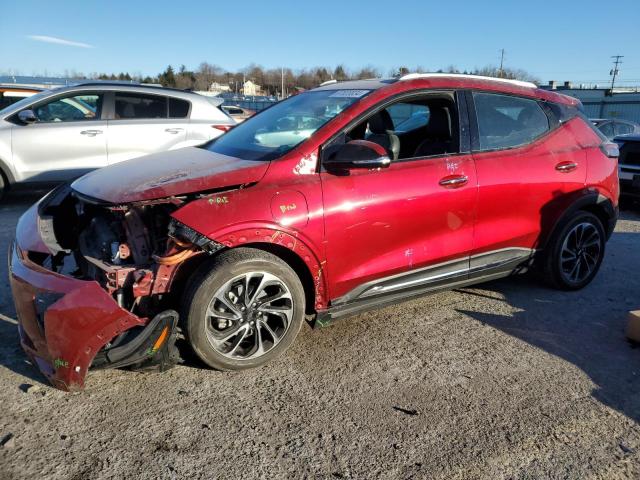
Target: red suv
(346, 197)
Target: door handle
(91, 133)
(454, 181)
(566, 167)
(173, 130)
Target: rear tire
(3, 186)
(574, 253)
(243, 309)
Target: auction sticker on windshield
(349, 93)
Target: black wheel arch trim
(594, 202)
(7, 173)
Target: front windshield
(285, 125)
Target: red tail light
(610, 149)
(222, 128)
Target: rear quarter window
(178, 108)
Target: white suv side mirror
(27, 116)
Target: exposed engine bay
(135, 253)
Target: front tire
(243, 309)
(575, 253)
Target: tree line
(271, 79)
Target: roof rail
(126, 83)
(519, 83)
(117, 83)
(328, 82)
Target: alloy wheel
(580, 252)
(249, 315)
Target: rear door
(527, 167)
(140, 125)
(69, 138)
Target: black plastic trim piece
(183, 232)
(140, 351)
(457, 273)
(7, 173)
(586, 201)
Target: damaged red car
(347, 197)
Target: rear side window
(138, 106)
(505, 121)
(178, 108)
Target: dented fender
(281, 218)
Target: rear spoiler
(215, 101)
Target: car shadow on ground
(585, 328)
(12, 205)
(11, 355)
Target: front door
(68, 139)
(402, 227)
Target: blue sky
(560, 40)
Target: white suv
(60, 134)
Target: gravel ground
(506, 380)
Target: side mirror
(358, 154)
(27, 116)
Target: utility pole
(614, 71)
(501, 62)
(282, 82)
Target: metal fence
(255, 105)
(600, 103)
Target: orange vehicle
(10, 94)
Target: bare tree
(368, 71)
(510, 73)
(206, 75)
(271, 79)
(340, 73)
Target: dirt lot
(507, 380)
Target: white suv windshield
(282, 127)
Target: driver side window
(419, 127)
(74, 108)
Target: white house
(219, 88)
(251, 89)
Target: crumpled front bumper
(63, 322)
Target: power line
(614, 71)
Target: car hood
(177, 172)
